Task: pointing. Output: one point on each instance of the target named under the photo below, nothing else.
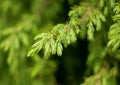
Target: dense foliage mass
(86, 37)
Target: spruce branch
(103, 77)
(114, 32)
(64, 34)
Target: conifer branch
(65, 34)
(114, 32)
(88, 11)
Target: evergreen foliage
(98, 21)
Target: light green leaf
(53, 46)
(59, 49)
(47, 50)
